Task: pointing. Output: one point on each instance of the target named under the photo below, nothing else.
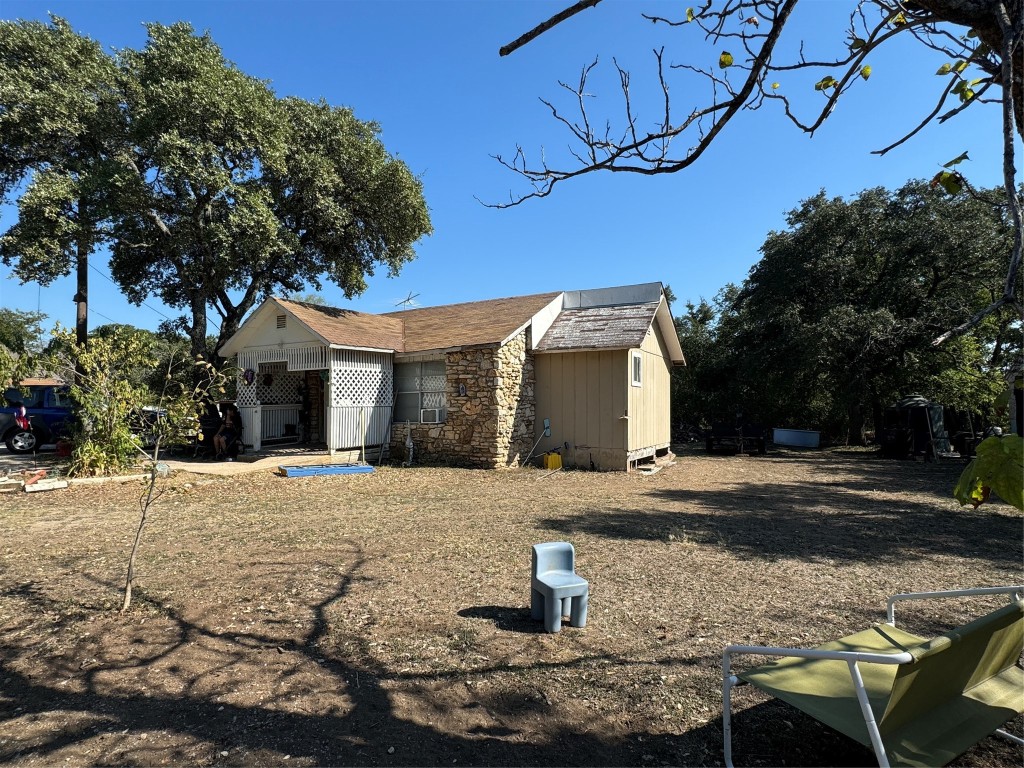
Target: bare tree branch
(974, 322)
(543, 27)
(990, 36)
(922, 124)
(631, 156)
(756, 25)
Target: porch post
(330, 414)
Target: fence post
(362, 434)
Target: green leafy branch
(998, 467)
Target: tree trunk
(197, 330)
(877, 417)
(855, 419)
(129, 580)
(83, 246)
(227, 329)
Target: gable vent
(281, 321)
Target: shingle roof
(607, 318)
(618, 327)
(347, 328)
(418, 330)
(468, 324)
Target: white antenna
(408, 301)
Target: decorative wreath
(249, 375)
(268, 379)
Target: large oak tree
(835, 321)
(215, 191)
(60, 128)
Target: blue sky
(429, 73)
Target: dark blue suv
(48, 404)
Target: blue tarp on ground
(324, 469)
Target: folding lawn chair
(914, 701)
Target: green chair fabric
(960, 687)
(824, 689)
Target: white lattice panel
(284, 365)
(276, 384)
(361, 378)
(246, 397)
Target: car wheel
(21, 441)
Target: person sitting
(229, 431)
(209, 423)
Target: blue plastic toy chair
(555, 589)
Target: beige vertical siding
(584, 395)
(649, 404)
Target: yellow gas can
(552, 461)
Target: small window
(61, 398)
(35, 397)
(420, 392)
(637, 369)
(281, 321)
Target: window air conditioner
(430, 416)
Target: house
(486, 383)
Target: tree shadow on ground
(771, 733)
(856, 469)
(90, 698)
(809, 522)
(506, 618)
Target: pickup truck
(49, 413)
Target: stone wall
(517, 405)
(491, 424)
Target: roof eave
(569, 350)
(516, 332)
(231, 348)
(350, 348)
(663, 316)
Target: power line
(94, 312)
(107, 277)
(94, 268)
(110, 280)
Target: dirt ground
(383, 619)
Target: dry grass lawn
(383, 619)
